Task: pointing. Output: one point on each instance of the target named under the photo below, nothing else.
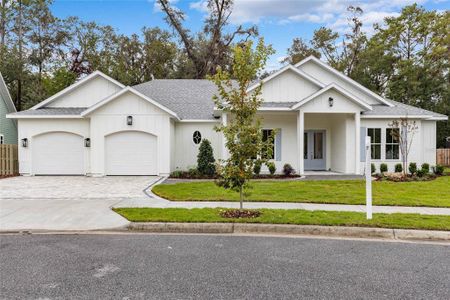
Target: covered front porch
(328, 142)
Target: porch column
(300, 135)
(357, 142)
(224, 147)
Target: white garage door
(58, 153)
(131, 153)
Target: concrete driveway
(68, 202)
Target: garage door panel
(131, 153)
(58, 153)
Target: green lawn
(279, 216)
(434, 193)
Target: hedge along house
(99, 127)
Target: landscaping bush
(421, 172)
(177, 174)
(288, 170)
(193, 173)
(205, 159)
(438, 170)
(412, 168)
(398, 168)
(257, 167)
(383, 168)
(426, 167)
(271, 167)
(373, 169)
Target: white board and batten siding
(53, 143)
(147, 139)
(88, 94)
(287, 87)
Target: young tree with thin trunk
(243, 132)
(403, 131)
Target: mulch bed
(239, 213)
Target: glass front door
(314, 150)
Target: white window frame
(274, 144)
(380, 144)
(192, 138)
(391, 144)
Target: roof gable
(358, 88)
(111, 98)
(285, 69)
(75, 86)
(336, 88)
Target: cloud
(330, 13)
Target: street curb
(315, 230)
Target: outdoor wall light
(129, 120)
(330, 101)
(87, 142)
(25, 142)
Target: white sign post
(368, 180)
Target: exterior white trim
(402, 116)
(199, 121)
(12, 116)
(346, 78)
(75, 85)
(6, 95)
(274, 109)
(123, 91)
(339, 89)
(284, 69)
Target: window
(375, 142)
(266, 134)
(392, 143)
(1, 139)
(197, 137)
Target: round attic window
(197, 137)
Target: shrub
(288, 170)
(257, 167)
(271, 167)
(177, 174)
(421, 173)
(398, 168)
(205, 159)
(426, 167)
(193, 173)
(438, 170)
(412, 168)
(373, 169)
(383, 168)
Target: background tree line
(406, 59)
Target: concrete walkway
(158, 202)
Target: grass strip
(435, 193)
(297, 217)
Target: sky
(279, 21)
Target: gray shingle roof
(188, 98)
(399, 109)
(51, 111)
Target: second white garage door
(131, 153)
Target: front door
(314, 150)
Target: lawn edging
(279, 229)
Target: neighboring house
(100, 127)
(8, 127)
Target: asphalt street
(146, 266)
